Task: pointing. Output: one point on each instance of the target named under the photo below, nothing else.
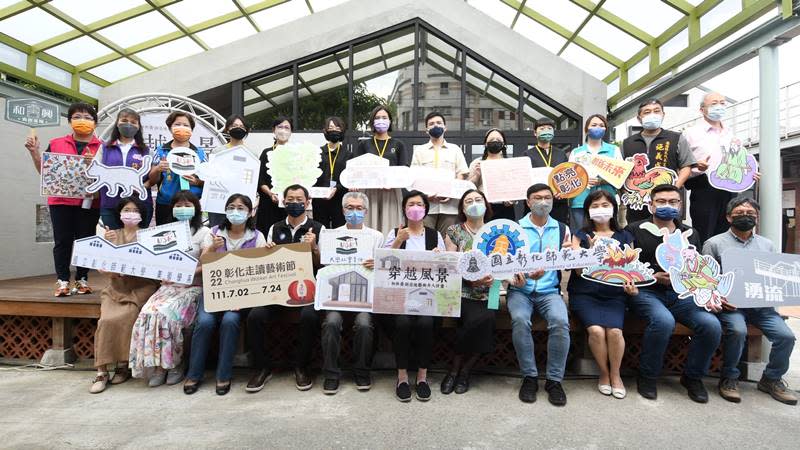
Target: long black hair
(195, 222)
(138, 138)
(251, 220)
(486, 136)
(592, 197)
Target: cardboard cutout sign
(294, 164)
(164, 238)
(669, 252)
(119, 180)
(506, 179)
(282, 275)
(499, 265)
(641, 181)
(614, 171)
(734, 169)
(232, 171)
(344, 288)
(619, 266)
(183, 161)
(763, 279)
(568, 179)
(699, 277)
(346, 246)
(134, 259)
(64, 176)
(502, 237)
(438, 182)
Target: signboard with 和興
(762, 279)
(33, 112)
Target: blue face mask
(354, 217)
(667, 213)
(183, 212)
(236, 216)
(652, 121)
(295, 209)
(716, 112)
(596, 133)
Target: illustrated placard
(614, 171)
(164, 238)
(344, 288)
(232, 171)
(506, 179)
(64, 175)
(343, 246)
(501, 236)
(641, 181)
(619, 266)
(417, 283)
(134, 259)
(120, 181)
(183, 161)
(568, 179)
(282, 275)
(294, 164)
(699, 276)
(763, 279)
(733, 169)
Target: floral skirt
(157, 338)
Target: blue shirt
(549, 238)
(170, 182)
(607, 150)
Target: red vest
(66, 145)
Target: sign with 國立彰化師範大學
(762, 279)
(33, 112)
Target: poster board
(164, 238)
(568, 179)
(344, 288)
(439, 182)
(63, 176)
(612, 170)
(506, 179)
(232, 171)
(282, 275)
(346, 246)
(763, 279)
(121, 181)
(294, 164)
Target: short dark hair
(433, 114)
(592, 197)
(538, 187)
(280, 119)
(502, 135)
(542, 121)
(375, 112)
(232, 118)
(251, 220)
(336, 121)
(196, 222)
(739, 201)
(411, 194)
(175, 114)
(296, 187)
(82, 107)
(127, 201)
(651, 101)
(462, 216)
(664, 188)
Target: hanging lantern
(301, 292)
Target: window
(444, 88)
(420, 90)
(486, 117)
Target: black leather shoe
(302, 379)
(448, 384)
(258, 380)
(697, 391)
(330, 386)
(462, 383)
(190, 389)
(223, 389)
(647, 387)
(530, 386)
(555, 393)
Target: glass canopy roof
(75, 47)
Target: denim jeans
(661, 309)
(552, 308)
(332, 343)
(734, 336)
(204, 327)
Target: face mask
(236, 217)
(667, 213)
(436, 132)
(181, 133)
(415, 213)
(127, 130)
(495, 147)
(333, 136)
(382, 125)
(237, 133)
(744, 223)
(541, 209)
(82, 126)
(295, 209)
(652, 121)
(475, 210)
(183, 213)
(130, 218)
(716, 112)
(282, 135)
(596, 132)
(354, 217)
(601, 215)
(546, 136)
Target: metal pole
(771, 184)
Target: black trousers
(707, 208)
(163, 214)
(412, 336)
(475, 332)
(70, 223)
(329, 212)
(257, 327)
(332, 342)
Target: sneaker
(527, 393)
(81, 287)
(403, 392)
(330, 386)
(100, 383)
(729, 390)
(258, 381)
(363, 382)
(121, 375)
(555, 393)
(62, 289)
(696, 389)
(778, 390)
(423, 391)
(647, 387)
(158, 378)
(174, 376)
(302, 380)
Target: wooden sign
(568, 179)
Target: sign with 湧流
(762, 279)
(33, 112)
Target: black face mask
(495, 147)
(744, 223)
(237, 133)
(333, 136)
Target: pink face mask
(415, 213)
(130, 218)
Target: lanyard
(379, 150)
(550, 156)
(332, 161)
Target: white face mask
(601, 215)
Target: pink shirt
(705, 140)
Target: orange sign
(568, 179)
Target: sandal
(121, 375)
(99, 384)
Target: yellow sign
(614, 171)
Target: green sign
(32, 112)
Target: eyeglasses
(79, 117)
(753, 215)
(661, 202)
